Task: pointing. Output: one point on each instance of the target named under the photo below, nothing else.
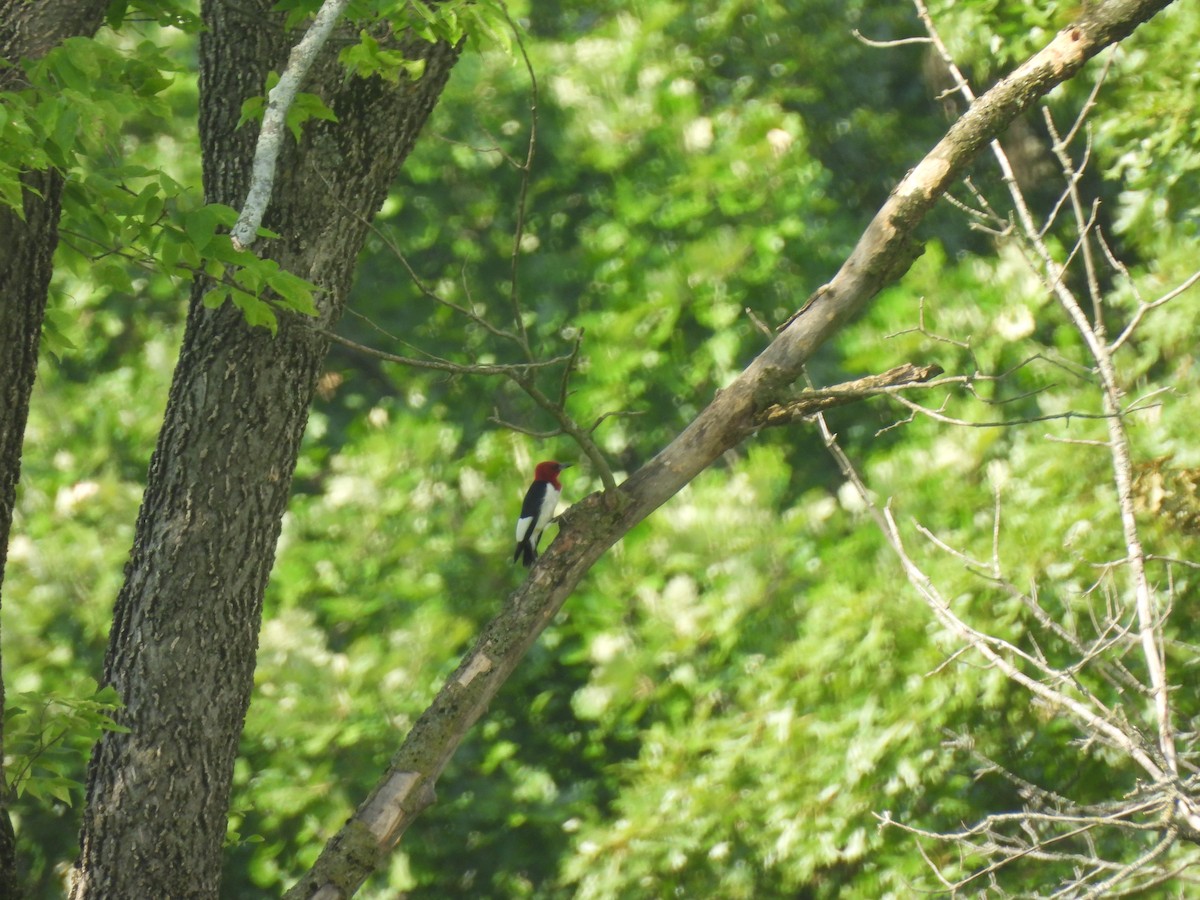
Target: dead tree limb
(885, 251)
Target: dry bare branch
(274, 123)
(810, 402)
(1063, 686)
(995, 651)
(1145, 307)
(1092, 334)
(523, 196)
(884, 252)
(444, 365)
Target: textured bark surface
(27, 30)
(185, 630)
(884, 252)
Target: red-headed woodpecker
(538, 509)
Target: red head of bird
(548, 471)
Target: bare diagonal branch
(883, 254)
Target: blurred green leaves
(745, 685)
(51, 738)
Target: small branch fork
(1052, 828)
(808, 403)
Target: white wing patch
(523, 524)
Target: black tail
(525, 553)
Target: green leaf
(170, 246)
(201, 225)
(294, 292)
(215, 297)
(152, 204)
(108, 696)
(61, 788)
(252, 110)
(113, 273)
(414, 68)
(54, 333)
(305, 107)
(251, 278)
(367, 58)
(144, 72)
(62, 139)
(51, 740)
(114, 16)
(257, 312)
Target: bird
(538, 509)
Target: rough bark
(884, 252)
(27, 242)
(29, 30)
(185, 630)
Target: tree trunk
(27, 30)
(185, 629)
(28, 246)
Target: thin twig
(444, 365)
(569, 427)
(1103, 889)
(1152, 305)
(615, 414)
(523, 195)
(897, 42)
(424, 289)
(565, 382)
(1084, 224)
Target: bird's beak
(566, 465)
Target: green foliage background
(745, 685)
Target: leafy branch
(189, 245)
(46, 735)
